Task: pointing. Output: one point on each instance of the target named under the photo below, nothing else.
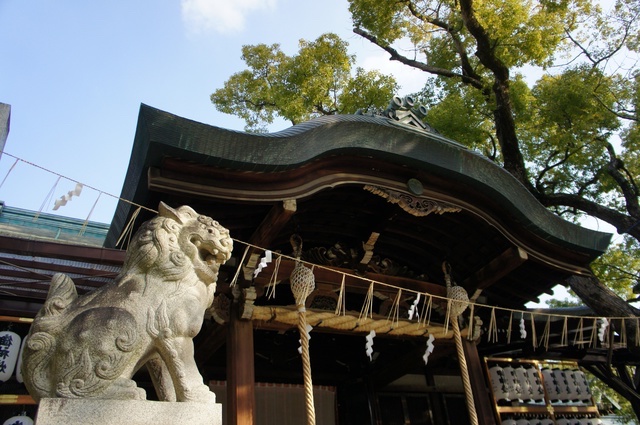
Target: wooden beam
(266, 232)
(479, 387)
(240, 371)
(498, 268)
(60, 250)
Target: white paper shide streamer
(369, 344)
(604, 323)
(523, 330)
(414, 306)
(62, 201)
(429, 349)
(264, 261)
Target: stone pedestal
(61, 411)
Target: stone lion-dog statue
(90, 346)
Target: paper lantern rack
(532, 392)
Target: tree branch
(465, 63)
(623, 223)
(624, 181)
(417, 64)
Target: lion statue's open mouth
(211, 255)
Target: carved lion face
(203, 240)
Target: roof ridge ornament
(402, 110)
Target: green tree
(317, 81)
(556, 135)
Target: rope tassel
(302, 285)
(455, 308)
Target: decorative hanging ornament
(412, 309)
(302, 283)
(458, 301)
(302, 280)
(62, 201)
(604, 323)
(369, 344)
(21, 419)
(9, 349)
(264, 261)
(429, 349)
(457, 294)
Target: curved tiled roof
(162, 134)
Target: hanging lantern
(22, 419)
(550, 384)
(526, 392)
(9, 349)
(498, 384)
(536, 384)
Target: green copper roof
(161, 134)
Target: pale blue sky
(76, 72)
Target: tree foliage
(319, 80)
(570, 134)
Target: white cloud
(411, 80)
(223, 16)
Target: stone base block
(61, 411)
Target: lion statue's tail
(41, 341)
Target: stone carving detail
(418, 207)
(90, 346)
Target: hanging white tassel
(412, 309)
(429, 349)
(62, 201)
(369, 344)
(604, 323)
(523, 329)
(264, 261)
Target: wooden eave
(27, 267)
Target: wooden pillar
(240, 371)
(479, 387)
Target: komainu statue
(90, 346)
